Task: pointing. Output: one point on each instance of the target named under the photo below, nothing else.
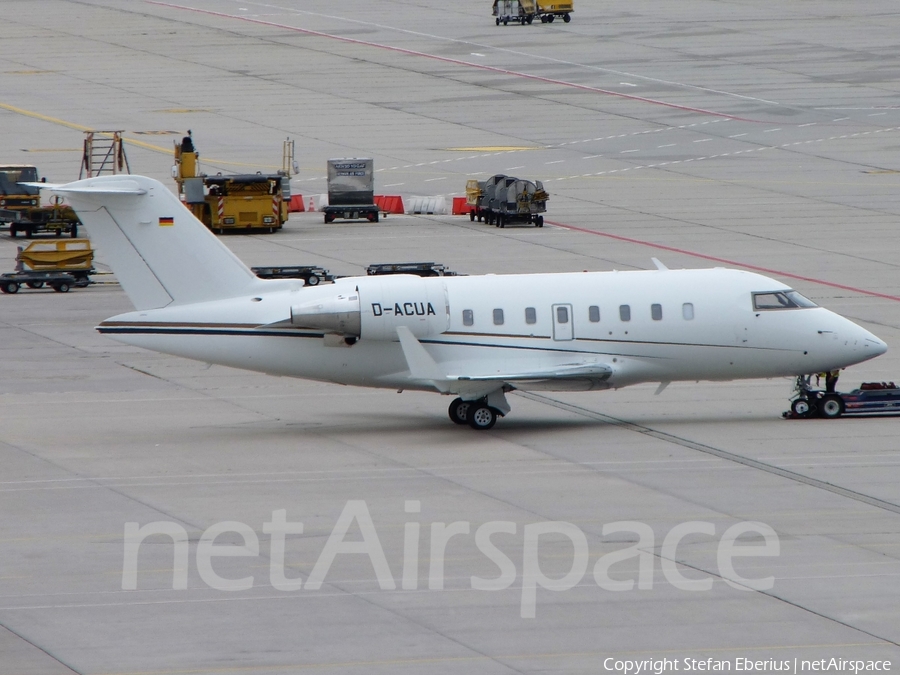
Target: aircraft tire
(481, 417)
(802, 407)
(458, 411)
(831, 406)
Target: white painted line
(477, 54)
(513, 168)
(809, 124)
(431, 180)
(395, 184)
(702, 140)
(767, 131)
(737, 135)
(626, 151)
(627, 84)
(840, 119)
(558, 161)
(592, 156)
(877, 114)
(669, 145)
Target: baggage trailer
(74, 256)
(421, 269)
(311, 274)
(60, 265)
(505, 200)
(548, 11)
(60, 282)
(517, 11)
(524, 11)
(351, 190)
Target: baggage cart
(311, 275)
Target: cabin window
(656, 312)
(781, 300)
(468, 317)
(687, 311)
(530, 315)
(594, 314)
(562, 314)
(625, 312)
(498, 317)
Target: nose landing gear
(811, 402)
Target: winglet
(421, 365)
(659, 264)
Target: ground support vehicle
(548, 11)
(40, 220)
(421, 269)
(20, 205)
(871, 398)
(524, 11)
(254, 201)
(60, 282)
(474, 191)
(517, 11)
(351, 190)
(73, 256)
(311, 275)
(506, 200)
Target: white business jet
(473, 337)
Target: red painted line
(726, 261)
(458, 62)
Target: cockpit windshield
(781, 300)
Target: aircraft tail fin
(158, 250)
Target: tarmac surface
(761, 135)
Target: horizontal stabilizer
(123, 187)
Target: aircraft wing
(423, 367)
(557, 372)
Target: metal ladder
(104, 154)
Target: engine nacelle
(377, 306)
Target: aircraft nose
(874, 344)
(864, 342)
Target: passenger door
(562, 322)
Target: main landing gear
(477, 414)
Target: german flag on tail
(166, 221)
